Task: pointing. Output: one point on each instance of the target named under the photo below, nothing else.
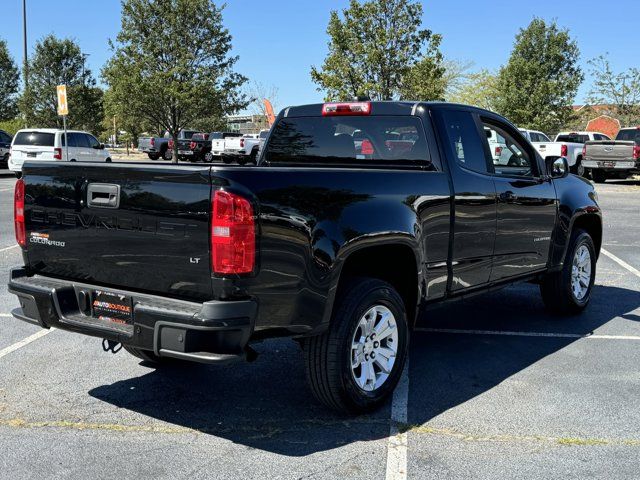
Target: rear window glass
(198, 136)
(215, 136)
(577, 138)
(349, 141)
(629, 135)
(189, 133)
(37, 139)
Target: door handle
(103, 195)
(508, 196)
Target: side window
(5, 138)
(93, 142)
(513, 158)
(81, 140)
(543, 137)
(73, 139)
(534, 137)
(463, 139)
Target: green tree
(477, 89)
(9, 77)
(172, 65)
(538, 85)
(378, 49)
(61, 62)
(619, 90)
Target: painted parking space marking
(589, 336)
(8, 248)
(32, 338)
(621, 262)
(397, 442)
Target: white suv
(49, 144)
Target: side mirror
(557, 167)
(102, 146)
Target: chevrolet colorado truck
(619, 158)
(341, 247)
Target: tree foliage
(172, 64)
(9, 77)
(60, 62)
(378, 49)
(619, 90)
(538, 85)
(478, 89)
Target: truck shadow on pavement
(266, 405)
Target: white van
(48, 144)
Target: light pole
(25, 65)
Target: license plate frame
(185, 152)
(608, 164)
(112, 307)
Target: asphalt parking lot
(495, 388)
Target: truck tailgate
(610, 150)
(155, 240)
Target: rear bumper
(209, 332)
(612, 165)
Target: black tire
(153, 156)
(208, 157)
(108, 160)
(167, 154)
(18, 174)
(578, 169)
(599, 176)
(557, 294)
(328, 356)
(254, 156)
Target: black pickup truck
(338, 242)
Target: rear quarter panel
(311, 220)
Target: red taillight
(153, 142)
(366, 148)
(636, 152)
(18, 213)
(584, 151)
(242, 143)
(192, 146)
(353, 108)
(170, 144)
(498, 151)
(57, 154)
(564, 151)
(233, 234)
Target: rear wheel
(599, 176)
(208, 157)
(153, 156)
(355, 365)
(18, 174)
(108, 160)
(569, 290)
(167, 154)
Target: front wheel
(153, 156)
(355, 365)
(208, 157)
(569, 290)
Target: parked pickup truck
(337, 246)
(158, 147)
(242, 149)
(195, 148)
(566, 144)
(5, 147)
(218, 143)
(619, 158)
